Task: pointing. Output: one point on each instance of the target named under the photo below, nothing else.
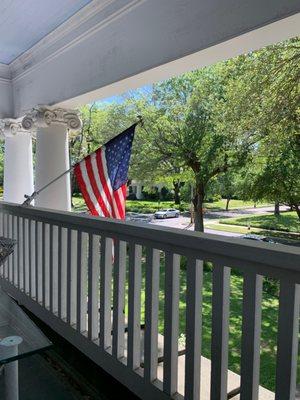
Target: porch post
(18, 165)
(52, 154)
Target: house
(58, 55)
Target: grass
(149, 207)
(286, 222)
(268, 326)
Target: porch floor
(38, 380)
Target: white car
(168, 213)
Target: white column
(52, 154)
(18, 165)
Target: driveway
(184, 223)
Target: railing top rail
(274, 255)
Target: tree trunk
(198, 208)
(227, 204)
(276, 209)
(176, 185)
(297, 208)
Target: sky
(119, 99)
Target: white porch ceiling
(71, 52)
(24, 23)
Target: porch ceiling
(24, 23)
(110, 46)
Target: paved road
(212, 217)
(184, 222)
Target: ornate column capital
(43, 117)
(10, 127)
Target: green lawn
(286, 222)
(269, 322)
(144, 206)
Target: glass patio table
(19, 337)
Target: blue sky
(147, 89)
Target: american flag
(102, 176)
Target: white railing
(84, 277)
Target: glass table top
(19, 336)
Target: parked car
(168, 213)
(260, 238)
(136, 217)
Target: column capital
(43, 117)
(10, 127)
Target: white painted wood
(52, 158)
(134, 306)
(18, 167)
(93, 287)
(82, 269)
(15, 254)
(105, 292)
(245, 256)
(220, 330)
(71, 276)
(26, 255)
(21, 253)
(119, 298)
(63, 274)
(172, 263)
(10, 258)
(151, 314)
(194, 277)
(54, 267)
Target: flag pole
(30, 198)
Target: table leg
(9, 349)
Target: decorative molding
(11, 127)
(5, 75)
(43, 117)
(84, 23)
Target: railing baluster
(26, 255)
(54, 277)
(51, 267)
(119, 298)
(10, 258)
(59, 271)
(63, 271)
(134, 306)
(1, 222)
(29, 244)
(39, 262)
(21, 253)
(105, 292)
(71, 276)
(251, 327)
(46, 264)
(6, 233)
(287, 341)
(171, 323)
(16, 254)
(194, 281)
(82, 254)
(220, 330)
(93, 287)
(151, 314)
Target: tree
(186, 131)
(263, 103)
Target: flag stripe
(99, 156)
(102, 176)
(94, 187)
(83, 189)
